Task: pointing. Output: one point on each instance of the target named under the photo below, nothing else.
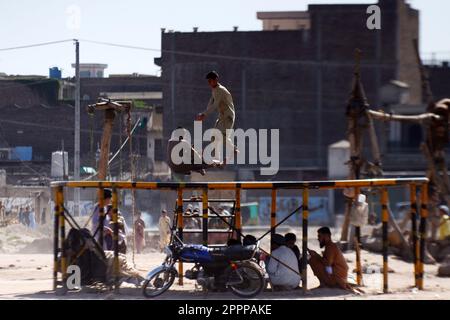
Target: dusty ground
(29, 276)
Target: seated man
(331, 268)
(291, 238)
(195, 162)
(282, 264)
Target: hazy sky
(138, 23)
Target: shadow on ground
(136, 294)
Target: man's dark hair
(324, 230)
(249, 240)
(278, 239)
(290, 237)
(212, 75)
(107, 194)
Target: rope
(91, 136)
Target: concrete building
(287, 20)
(92, 70)
(294, 77)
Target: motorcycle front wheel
(252, 283)
(158, 283)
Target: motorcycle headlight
(167, 251)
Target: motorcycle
(231, 268)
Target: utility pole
(76, 162)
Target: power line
(32, 124)
(35, 45)
(310, 62)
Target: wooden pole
(108, 125)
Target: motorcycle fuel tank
(195, 253)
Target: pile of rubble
(17, 238)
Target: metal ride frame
(412, 183)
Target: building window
(85, 74)
(405, 137)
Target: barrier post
(422, 231)
(273, 215)
(58, 200)
(62, 237)
(180, 231)
(205, 216)
(101, 216)
(357, 247)
(237, 213)
(305, 239)
(385, 219)
(115, 220)
(415, 247)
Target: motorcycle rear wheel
(253, 283)
(159, 283)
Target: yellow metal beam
(334, 184)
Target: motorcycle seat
(235, 252)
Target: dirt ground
(29, 276)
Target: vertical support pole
(180, 230)
(62, 235)
(358, 255)
(273, 215)
(422, 231)
(385, 219)
(357, 247)
(237, 213)
(305, 239)
(205, 216)
(415, 247)
(101, 215)
(76, 160)
(57, 199)
(115, 220)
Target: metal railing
(304, 186)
